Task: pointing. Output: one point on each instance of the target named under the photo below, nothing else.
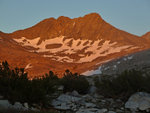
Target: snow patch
(124, 59)
(60, 59)
(106, 68)
(104, 61)
(130, 57)
(115, 66)
(118, 62)
(28, 66)
(28, 42)
(92, 72)
(74, 23)
(81, 55)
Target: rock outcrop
(139, 101)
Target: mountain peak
(90, 26)
(80, 44)
(63, 18)
(93, 15)
(146, 35)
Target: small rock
(118, 100)
(4, 104)
(26, 105)
(92, 90)
(122, 108)
(111, 112)
(87, 97)
(66, 102)
(61, 88)
(64, 106)
(94, 100)
(68, 98)
(75, 93)
(90, 105)
(18, 105)
(81, 107)
(110, 100)
(147, 110)
(118, 111)
(34, 109)
(89, 110)
(102, 110)
(104, 101)
(97, 96)
(36, 106)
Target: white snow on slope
(118, 62)
(105, 49)
(27, 42)
(74, 23)
(87, 46)
(130, 57)
(58, 58)
(92, 72)
(28, 66)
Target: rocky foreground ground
(73, 102)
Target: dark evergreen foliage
(15, 86)
(74, 81)
(124, 85)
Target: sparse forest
(15, 85)
(124, 85)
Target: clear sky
(130, 15)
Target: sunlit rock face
(81, 45)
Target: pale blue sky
(130, 15)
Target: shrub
(74, 82)
(15, 86)
(124, 84)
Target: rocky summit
(81, 45)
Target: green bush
(124, 84)
(74, 82)
(15, 86)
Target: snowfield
(86, 50)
